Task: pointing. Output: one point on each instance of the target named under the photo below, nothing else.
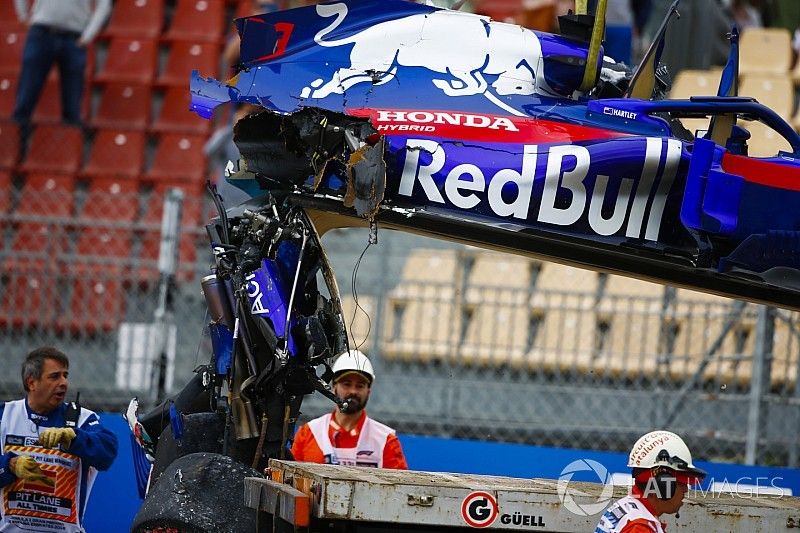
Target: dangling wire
(354, 290)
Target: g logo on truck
(479, 509)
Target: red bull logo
(509, 54)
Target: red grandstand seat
(179, 157)
(185, 56)
(45, 203)
(50, 195)
(29, 299)
(11, 45)
(175, 115)
(129, 61)
(110, 200)
(123, 106)
(116, 153)
(96, 303)
(9, 144)
(54, 148)
(5, 191)
(151, 238)
(8, 95)
(8, 18)
(136, 18)
(201, 20)
(36, 245)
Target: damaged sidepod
(314, 151)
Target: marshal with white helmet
(663, 449)
(353, 361)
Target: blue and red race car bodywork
(485, 136)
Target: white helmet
(353, 361)
(662, 449)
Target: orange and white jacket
(370, 443)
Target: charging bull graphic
(464, 47)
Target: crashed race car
(405, 116)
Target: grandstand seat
(690, 83)
(499, 279)
(623, 294)
(11, 45)
(47, 195)
(627, 344)
(564, 287)
(129, 61)
(45, 205)
(201, 20)
(8, 18)
(111, 200)
(785, 349)
(179, 157)
(428, 270)
(359, 320)
(765, 51)
(496, 333)
(185, 56)
(561, 339)
(775, 92)
(5, 192)
(116, 153)
(151, 236)
(422, 328)
(96, 303)
(8, 95)
(511, 11)
(9, 145)
(175, 115)
(123, 106)
(41, 155)
(764, 141)
(29, 298)
(35, 245)
(141, 19)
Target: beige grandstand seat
(765, 51)
(774, 91)
(496, 334)
(436, 268)
(499, 278)
(359, 320)
(697, 323)
(764, 141)
(563, 340)
(690, 83)
(623, 294)
(564, 286)
(627, 344)
(786, 349)
(421, 329)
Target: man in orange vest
(349, 436)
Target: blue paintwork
(268, 292)
(302, 57)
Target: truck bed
(314, 497)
